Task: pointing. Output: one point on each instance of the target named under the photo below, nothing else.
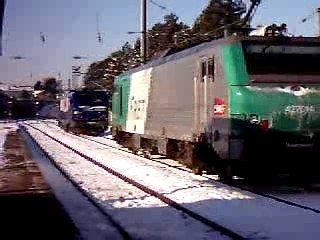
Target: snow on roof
(20, 88)
(260, 31)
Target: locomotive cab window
(203, 70)
(207, 69)
(211, 69)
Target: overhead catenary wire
(162, 7)
(159, 5)
(303, 20)
(249, 15)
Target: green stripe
(234, 64)
(120, 101)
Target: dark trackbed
(29, 209)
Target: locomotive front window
(91, 99)
(282, 59)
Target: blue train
(84, 111)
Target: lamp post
(318, 22)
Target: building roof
(7, 87)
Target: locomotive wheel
(197, 170)
(67, 128)
(147, 154)
(225, 174)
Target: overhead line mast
(318, 21)
(2, 8)
(144, 31)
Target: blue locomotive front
(84, 111)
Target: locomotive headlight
(263, 123)
(254, 119)
(76, 112)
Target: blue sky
(70, 29)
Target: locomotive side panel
(138, 101)
(182, 98)
(170, 110)
(218, 124)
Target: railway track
(117, 225)
(212, 178)
(208, 222)
(123, 150)
(209, 177)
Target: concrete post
(144, 31)
(318, 22)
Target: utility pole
(2, 8)
(144, 47)
(318, 22)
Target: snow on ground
(250, 215)
(310, 199)
(142, 215)
(91, 223)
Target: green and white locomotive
(240, 105)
